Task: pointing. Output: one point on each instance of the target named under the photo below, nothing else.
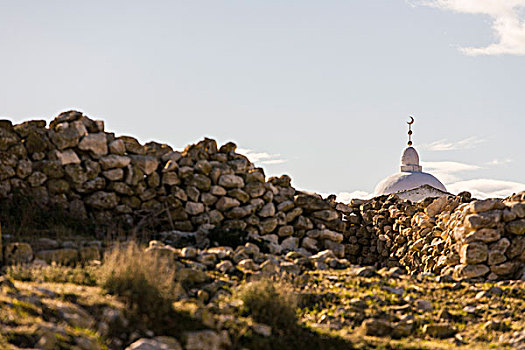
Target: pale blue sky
(323, 87)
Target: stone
(500, 245)
(116, 174)
(231, 181)
(117, 147)
(310, 244)
(504, 269)
(67, 136)
(322, 256)
(193, 208)
(267, 210)
(188, 253)
(485, 235)
(290, 267)
(102, 200)
(46, 243)
(147, 164)
(268, 225)
(95, 143)
(52, 169)
(295, 213)
(205, 340)
(423, 305)
(365, 271)
(518, 209)
(217, 190)
(224, 266)
(239, 194)
(255, 189)
(285, 231)
(65, 256)
(262, 329)
(436, 207)
(203, 166)
(484, 220)
(157, 343)
(114, 161)
(311, 202)
(58, 186)
(225, 203)
(75, 173)
(202, 182)
(37, 179)
(496, 257)
(171, 179)
(326, 215)
(516, 227)
(325, 234)
(121, 188)
(290, 243)
(516, 248)
(473, 253)
(65, 157)
(96, 184)
(18, 253)
(208, 199)
(480, 206)
(337, 248)
(439, 330)
(377, 327)
(248, 264)
(170, 166)
(470, 271)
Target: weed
(144, 281)
(272, 303)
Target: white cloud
(508, 23)
(346, 197)
(261, 157)
(448, 172)
(486, 188)
(496, 162)
(445, 145)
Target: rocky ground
(57, 307)
(229, 259)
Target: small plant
(145, 281)
(269, 302)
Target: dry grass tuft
(144, 281)
(269, 302)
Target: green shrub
(269, 302)
(144, 281)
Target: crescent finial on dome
(410, 130)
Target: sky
(317, 89)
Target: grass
(268, 302)
(58, 274)
(146, 282)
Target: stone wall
(94, 174)
(90, 173)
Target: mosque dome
(411, 175)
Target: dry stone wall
(75, 164)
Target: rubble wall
(90, 173)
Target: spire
(410, 130)
(410, 158)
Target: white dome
(410, 157)
(406, 181)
